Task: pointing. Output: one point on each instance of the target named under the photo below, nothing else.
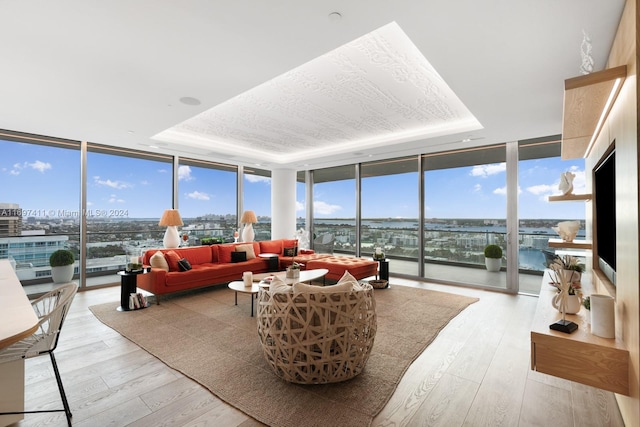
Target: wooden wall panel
(622, 127)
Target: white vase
(493, 264)
(248, 233)
(62, 274)
(603, 317)
(574, 302)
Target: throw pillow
(172, 260)
(291, 251)
(338, 287)
(251, 254)
(224, 253)
(184, 265)
(278, 286)
(158, 260)
(238, 256)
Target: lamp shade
(248, 217)
(170, 217)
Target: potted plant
(62, 265)
(493, 257)
(569, 266)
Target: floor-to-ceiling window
(539, 170)
(464, 211)
(39, 204)
(334, 208)
(127, 191)
(390, 212)
(257, 197)
(207, 201)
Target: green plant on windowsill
(61, 257)
(493, 251)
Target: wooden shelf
(576, 244)
(570, 198)
(586, 106)
(580, 356)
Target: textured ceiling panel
(375, 90)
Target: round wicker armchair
(317, 337)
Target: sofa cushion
(271, 247)
(172, 259)
(184, 265)
(278, 286)
(224, 253)
(248, 248)
(289, 243)
(195, 254)
(238, 256)
(290, 251)
(158, 260)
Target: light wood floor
(476, 373)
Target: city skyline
(126, 187)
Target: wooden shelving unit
(585, 103)
(576, 244)
(580, 356)
(570, 198)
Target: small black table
(128, 286)
(383, 269)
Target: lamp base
(171, 238)
(248, 233)
(565, 326)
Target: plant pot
(62, 274)
(574, 302)
(293, 273)
(493, 264)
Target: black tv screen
(605, 214)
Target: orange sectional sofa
(213, 265)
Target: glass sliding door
(127, 191)
(39, 205)
(464, 211)
(257, 198)
(207, 201)
(390, 212)
(334, 210)
(539, 170)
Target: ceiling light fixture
(335, 16)
(188, 100)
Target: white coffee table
(305, 276)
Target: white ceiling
(272, 87)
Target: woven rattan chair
(51, 309)
(317, 338)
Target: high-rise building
(10, 220)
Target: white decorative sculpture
(567, 230)
(566, 182)
(303, 238)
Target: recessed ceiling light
(335, 16)
(188, 100)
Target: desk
(17, 321)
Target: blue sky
(45, 179)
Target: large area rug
(209, 339)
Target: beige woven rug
(209, 339)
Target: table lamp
(171, 219)
(248, 218)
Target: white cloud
(257, 178)
(118, 185)
(541, 189)
(477, 188)
(487, 170)
(324, 208)
(38, 165)
(162, 171)
(299, 206)
(184, 173)
(114, 199)
(197, 195)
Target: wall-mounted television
(604, 181)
